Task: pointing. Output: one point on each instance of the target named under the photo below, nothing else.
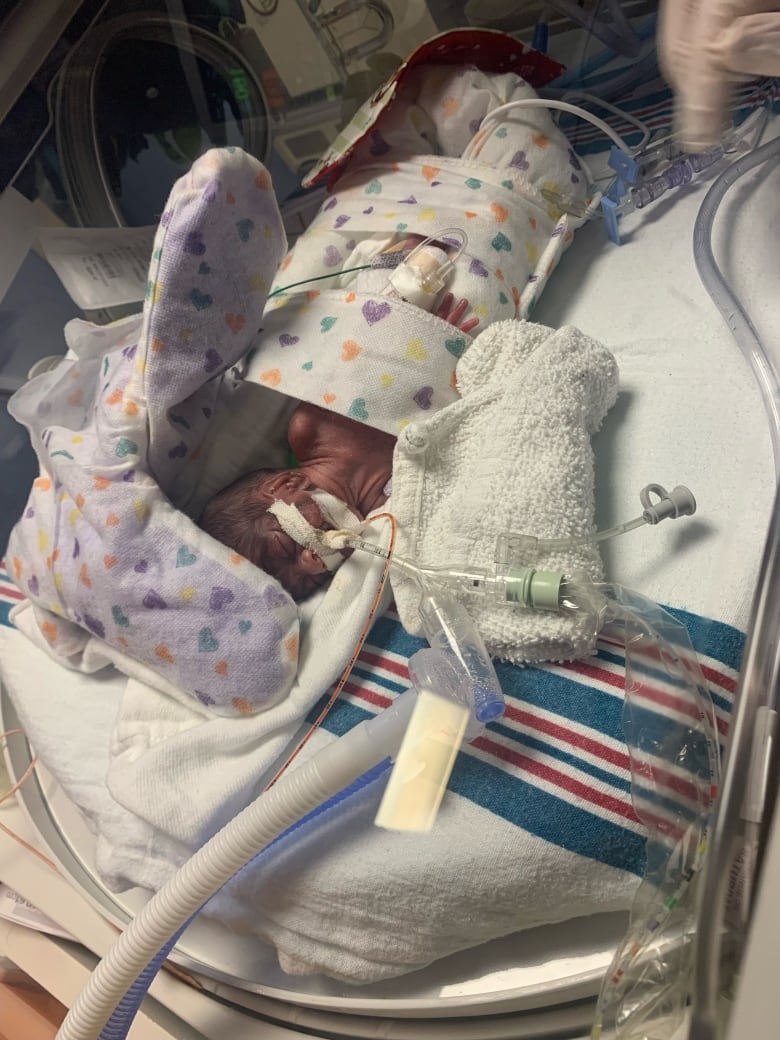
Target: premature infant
(338, 455)
(341, 456)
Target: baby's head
(239, 518)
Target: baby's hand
(453, 315)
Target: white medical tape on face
(294, 524)
(297, 527)
(334, 510)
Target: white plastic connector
(675, 503)
(536, 590)
(424, 273)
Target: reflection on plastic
(669, 727)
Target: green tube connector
(537, 590)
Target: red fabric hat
(488, 49)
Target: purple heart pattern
(99, 547)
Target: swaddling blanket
(513, 455)
(119, 432)
(427, 165)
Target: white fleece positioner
(513, 455)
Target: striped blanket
(553, 742)
(540, 820)
(539, 824)
(557, 762)
(560, 745)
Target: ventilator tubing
(297, 793)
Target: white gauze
(326, 544)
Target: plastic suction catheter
(510, 581)
(451, 631)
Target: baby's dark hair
(232, 515)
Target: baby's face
(298, 569)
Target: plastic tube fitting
(675, 503)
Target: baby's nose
(310, 562)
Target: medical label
(100, 267)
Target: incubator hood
(103, 105)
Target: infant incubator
(529, 721)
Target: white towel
(512, 455)
(179, 770)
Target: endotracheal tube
(510, 579)
(467, 673)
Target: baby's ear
(285, 478)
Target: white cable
(562, 106)
(297, 793)
(638, 123)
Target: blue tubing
(541, 37)
(123, 1015)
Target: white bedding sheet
(688, 411)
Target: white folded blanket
(512, 455)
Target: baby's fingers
(444, 307)
(458, 313)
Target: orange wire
(11, 792)
(27, 773)
(180, 973)
(355, 654)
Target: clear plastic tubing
(742, 328)
(680, 172)
(758, 684)
(761, 661)
(450, 629)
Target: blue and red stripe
(557, 765)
